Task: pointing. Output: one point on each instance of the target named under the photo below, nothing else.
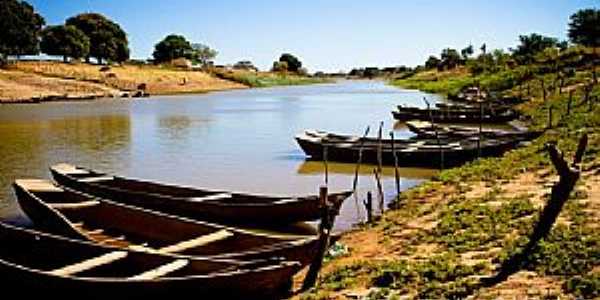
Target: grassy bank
(268, 79)
(440, 238)
(158, 79)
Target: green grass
(260, 80)
(495, 220)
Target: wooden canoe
(199, 204)
(410, 152)
(73, 214)
(474, 115)
(427, 130)
(32, 262)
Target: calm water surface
(235, 140)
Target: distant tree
(293, 63)
(530, 45)
(584, 28)
(450, 58)
(171, 47)
(203, 54)
(483, 48)
(20, 27)
(108, 41)
(280, 66)
(432, 62)
(66, 41)
(467, 52)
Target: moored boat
(73, 214)
(199, 204)
(33, 262)
(409, 152)
(455, 115)
(427, 130)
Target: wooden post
(358, 162)
(379, 190)
(568, 177)
(570, 102)
(396, 173)
(437, 136)
(379, 148)
(550, 117)
(480, 129)
(327, 219)
(326, 165)
(369, 207)
(543, 89)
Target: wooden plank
(162, 270)
(200, 241)
(211, 197)
(96, 179)
(75, 205)
(37, 185)
(68, 169)
(89, 264)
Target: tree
(530, 45)
(466, 52)
(432, 62)
(107, 39)
(20, 28)
(280, 66)
(293, 63)
(171, 47)
(450, 58)
(584, 28)
(203, 54)
(66, 41)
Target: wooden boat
(199, 204)
(424, 129)
(32, 262)
(77, 215)
(410, 152)
(458, 115)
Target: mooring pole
(327, 220)
(369, 207)
(326, 165)
(396, 173)
(379, 190)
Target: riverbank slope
(442, 237)
(33, 81)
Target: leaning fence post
(568, 177)
(396, 174)
(327, 220)
(379, 190)
(550, 117)
(369, 207)
(570, 102)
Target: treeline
(92, 35)
(583, 32)
(87, 35)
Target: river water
(235, 140)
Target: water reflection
(29, 148)
(318, 167)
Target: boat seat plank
(162, 270)
(211, 197)
(37, 185)
(200, 241)
(89, 264)
(76, 205)
(96, 179)
(283, 201)
(69, 169)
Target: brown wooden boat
(455, 115)
(32, 262)
(199, 204)
(410, 152)
(73, 214)
(427, 130)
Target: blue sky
(328, 35)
